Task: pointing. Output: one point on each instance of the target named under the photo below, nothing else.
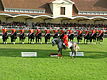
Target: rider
(4, 35)
(38, 31)
(100, 34)
(47, 35)
(56, 34)
(22, 36)
(65, 40)
(13, 36)
(38, 35)
(21, 32)
(79, 35)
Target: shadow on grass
(94, 54)
(9, 52)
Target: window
(62, 11)
(25, 10)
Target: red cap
(4, 30)
(79, 32)
(93, 31)
(22, 31)
(38, 30)
(31, 30)
(70, 31)
(62, 31)
(100, 31)
(47, 31)
(55, 31)
(13, 30)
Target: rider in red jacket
(65, 39)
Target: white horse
(71, 45)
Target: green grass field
(93, 66)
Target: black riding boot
(64, 46)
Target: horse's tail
(76, 47)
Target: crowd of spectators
(23, 25)
(67, 25)
(13, 25)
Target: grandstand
(51, 14)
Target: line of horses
(32, 38)
(90, 37)
(37, 38)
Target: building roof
(79, 5)
(91, 5)
(25, 4)
(82, 5)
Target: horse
(39, 37)
(93, 37)
(22, 37)
(79, 38)
(71, 45)
(13, 37)
(31, 38)
(5, 37)
(100, 38)
(71, 37)
(56, 35)
(87, 38)
(61, 35)
(47, 37)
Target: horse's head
(54, 41)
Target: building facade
(54, 11)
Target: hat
(4, 30)
(22, 31)
(13, 30)
(31, 30)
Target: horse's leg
(28, 40)
(3, 40)
(72, 52)
(11, 40)
(22, 41)
(90, 40)
(6, 41)
(33, 40)
(78, 41)
(48, 40)
(59, 53)
(36, 39)
(45, 40)
(75, 53)
(84, 40)
(41, 40)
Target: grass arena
(92, 66)
(26, 27)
